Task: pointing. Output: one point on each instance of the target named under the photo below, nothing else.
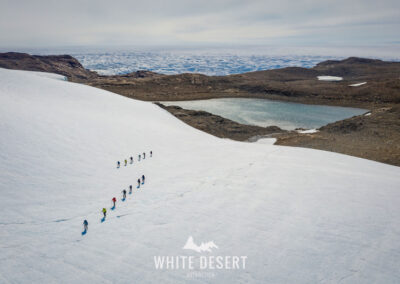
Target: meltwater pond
(264, 112)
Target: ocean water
(173, 62)
(219, 60)
(222, 60)
(262, 112)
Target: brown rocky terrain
(291, 84)
(373, 137)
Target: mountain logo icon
(190, 244)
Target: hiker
(104, 212)
(114, 200)
(131, 160)
(118, 164)
(126, 162)
(85, 225)
(124, 194)
(130, 189)
(144, 155)
(138, 183)
(151, 154)
(143, 179)
(139, 157)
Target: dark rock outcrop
(60, 64)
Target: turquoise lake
(263, 112)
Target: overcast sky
(37, 23)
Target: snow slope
(299, 215)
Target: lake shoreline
(220, 126)
(265, 112)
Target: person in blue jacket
(85, 225)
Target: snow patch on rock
(329, 78)
(357, 84)
(308, 131)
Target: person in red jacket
(114, 200)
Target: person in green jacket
(104, 212)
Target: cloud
(84, 22)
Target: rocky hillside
(60, 64)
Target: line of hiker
(140, 182)
(140, 157)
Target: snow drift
(358, 84)
(298, 215)
(329, 78)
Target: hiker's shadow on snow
(103, 219)
(84, 232)
(123, 199)
(112, 208)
